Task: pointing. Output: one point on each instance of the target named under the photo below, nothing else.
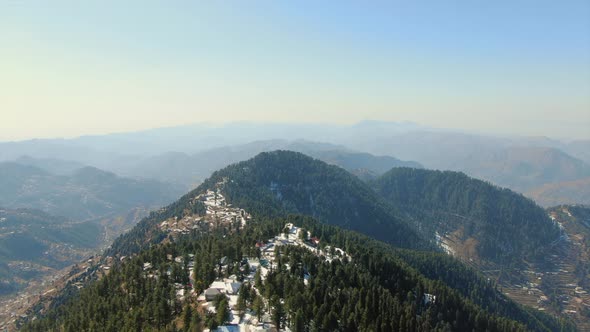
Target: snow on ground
(291, 237)
(218, 213)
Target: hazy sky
(81, 67)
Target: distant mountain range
(184, 169)
(186, 155)
(86, 193)
(567, 192)
(524, 164)
(525, 168)
(504, 163)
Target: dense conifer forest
(381, 288)
(377, 290)
(506, 225)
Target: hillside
(51, 165)
(523, 168)
(84, 194)
(33, 244)
(538, 258)
(486, 221)
(279, 182)
(348, 282)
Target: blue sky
(507, 67)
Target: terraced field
(558, 283)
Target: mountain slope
(51, 165)
(523, 168)
(285, 181)
(86, 193)
(491, 222)
(375, 290)
(539, 258)
(279, 183)
(32, 243)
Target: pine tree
(188, 315)
(278, 312)
(258, 307)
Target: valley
(40, 252)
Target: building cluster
(218, 213)
(291, 236)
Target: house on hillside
(211, 293)
(428, 299)
(232, 288)
(315, 241)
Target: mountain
(85, 193)
(539, 258)
(564, 275)
(49, 222)
(138, 284)
(580, 149)
(99, 150)
(290, 182)
(363, 165)
(33, 243)
(519, 163)
(484, 220)
(524, 168)
(51, 165)
(189, 170)
(568, 192)
(279, 183)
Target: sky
(70, 68)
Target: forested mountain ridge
(271, 186)
(538, 257)
(501, 225)
(278, 183)
(376, 291)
